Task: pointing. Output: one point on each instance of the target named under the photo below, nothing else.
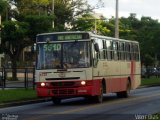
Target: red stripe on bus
(133, 70)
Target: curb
(145, 86)
(11, 104)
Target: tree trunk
(14, 70)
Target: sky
(147, 8)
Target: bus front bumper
(91, 88)
(81, 91)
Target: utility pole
(116, 22)
(53, 12)
(95, 26)
(0, 42)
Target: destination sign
(62, 37)
(70, 37)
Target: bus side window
(122, 51)
(115, 50)
(104, 50)
(96, 49)
(100, 54)
(137, 52)
(128, 52)
(109, 49)
(112, 51)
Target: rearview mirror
(96, 47)
(34, 47)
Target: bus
(83, 64)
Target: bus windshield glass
(63, 55)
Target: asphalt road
(142, 103)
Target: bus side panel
(116, 76)
(96, 87)
(116, 84)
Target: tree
(65, 11)
(33, 7)
(14, 40)
(102, 27)
(148, 36)
(84, 23)
(148, 60)
(38, 24)
(3, 6)
(87, 22)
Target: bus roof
(91, 34)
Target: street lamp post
(116, 22)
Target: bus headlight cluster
(83, 83)
(43, 84)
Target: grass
(13, 95)
(150, 81)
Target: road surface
(142, 103)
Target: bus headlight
(43, 84)
(83, 83)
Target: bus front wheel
(99, 98)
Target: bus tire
(125, 94)
(56, 101)
(128, 89)
(99, 98)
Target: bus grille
(58, 92)
(63, 84)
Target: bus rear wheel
(56, 101)
(125, 94)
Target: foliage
(84, 23)
(67, 10)
(3, 6)
(14, 40)
(14, 32)
(33, 7)
(64, 10)
(89, 23)
(148, 60)
(38, 24)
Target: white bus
(74, 64)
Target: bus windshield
(63, 55)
